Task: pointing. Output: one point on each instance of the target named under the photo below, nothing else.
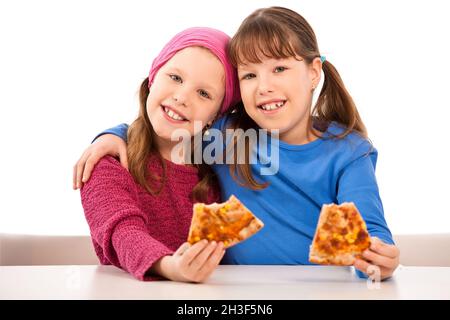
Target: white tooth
(172, 114)
(273, 106)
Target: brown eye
(204, 94)
(248, 76)
(175, 77)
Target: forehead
(269, 62)
(198, 62)
(199, 57)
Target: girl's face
(189, 87)
(277, 94)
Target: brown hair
(278, 32)
(141, 144)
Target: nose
(264, 85)
(181, 96)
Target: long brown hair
(141, 144)
(278, 32)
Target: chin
(163, 133)
(269, 125)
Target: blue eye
(248, 76)
(204, 94)
(176, 78)
(280, 69)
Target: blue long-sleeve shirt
(308, 176)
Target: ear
(315, 69)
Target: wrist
(162, 267)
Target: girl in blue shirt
(322, 152)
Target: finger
(89, 166)
(123, 157)
(386, 273)
(182, 249)
(193, 251)
(208, 270)
(203, 256)
(80, 168)
(364, 266)
(379, 273)
(383, 248)
(379, 260)
(372, 271)
(74, 177)
(213, 260)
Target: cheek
(148, 104)
(152, 102)
(207, 113)
(245, 88)
(300, 90)
(247, 96)
(305, 84)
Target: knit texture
(132, 229)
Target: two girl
(324, 153)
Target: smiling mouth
(172, 114)
(272, 106)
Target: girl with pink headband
(139, 219)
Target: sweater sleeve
(357, 183)
(118, 226)
(119, 130)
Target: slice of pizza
(230, 222)
(341, 235)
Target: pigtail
(336, 104)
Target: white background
(69, 69)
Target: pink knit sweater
(131, 228)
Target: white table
(227, 282)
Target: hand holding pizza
(342, 238)
(379, 256)
(191, 263)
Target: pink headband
(214, 40)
